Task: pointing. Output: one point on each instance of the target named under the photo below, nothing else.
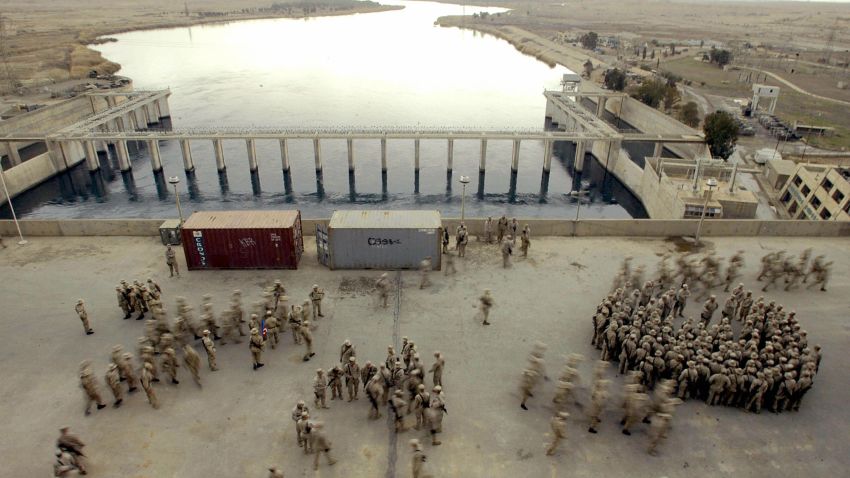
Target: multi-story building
(817, 192)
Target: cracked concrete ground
(238, 424)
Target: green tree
(671, 97)
(650, 92)
(615, 80)
(721, 133)
(720, 57)
(590, 40)
(689, 114)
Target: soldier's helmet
(347, 342)
(80, 301)
(438, 388)
(421, 387)
(112, 366)
(315, 286)
(254, 331)
(398, 393)
(206, 332)
(319, 371)
(148, 366)
(277, 281)
(563, 414)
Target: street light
(463, 180)
(578, 195)
(710, 184)
(173, 180)
(11, 208)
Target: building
(668, 190)
(817, 192)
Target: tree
(650, 92)
(720, 57)
(672, 48)
(652, 56)
(671, 97)
(589, 40)
(721, 133)
(643, 54)
(615, 80)
(689, 114)
(588, 68)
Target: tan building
(817, 192)
(668, 190)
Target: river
(392, 68)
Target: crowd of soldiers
(767, 364)
(398, 383)
(163, 338)
(505, 234)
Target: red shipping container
(243, 240)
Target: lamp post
(463, 180)
(578, 195)
(173, 180)
(22, 241)
(710, 184)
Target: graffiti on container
(377, 241)
(199, 246)
(247, 242)
(275, 237)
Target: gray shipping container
(379, 239)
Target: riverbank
(49, 42)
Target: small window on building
(847, 207)
(838, 196)
(805, 191)
(786, 197)
(816, 202)
(825, 214)
(797, 181)
(793, 209)
(827, 184)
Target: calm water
(382, 69)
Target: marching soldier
(84, 316)
(171, 260)
(297, 412)
(417, 460)
(352, 377)
(445, 241)
(147, 378)
(708, 309)
(507, 250)
(597, 403)
(462, 240)
(525, 241)
(421, 402)
(397, 404)
(295, 323)
(436, 409)
(559, 431)
(209, 346)
(272, 328)
(658, 430)
(335, 382)
(304, 428)
(488, 230)
(307, 337)
(256, 346)
(437, 369)
(89, 386)
(122, 302)
(321, 444)
(126, 366)
(169, 364)
(450, 268)
(346, 351)
(113, 380)
(316, 296)
(529, 381)
(383, 287)
(424, 270)
(486, 303)
(501, 228)
(320, 383)
(193, 362)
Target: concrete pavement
(238, 424)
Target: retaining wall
(539, 227)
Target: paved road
(239, 424)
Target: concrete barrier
(539, 227)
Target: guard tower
(764, 92)
(571, 83)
